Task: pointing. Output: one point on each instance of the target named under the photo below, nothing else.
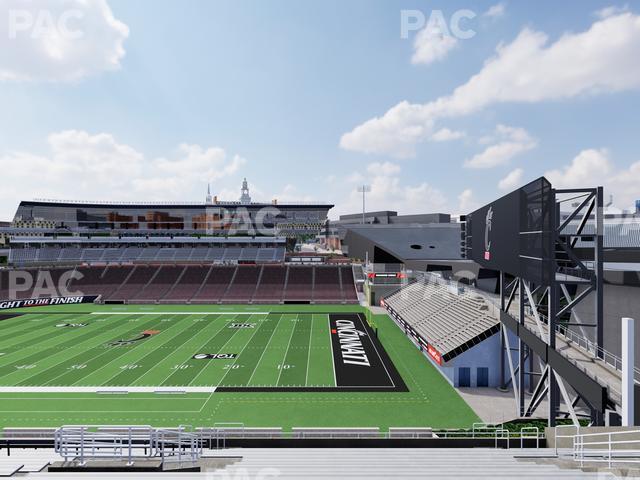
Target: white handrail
(564, 427)
(525, 432)
(607, 451)
(590, 346)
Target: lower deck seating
(271, 287)
(204, 284)
(134, 284)
(188, 286)
(216, 285)
(299, 284)
(327, 288)
(244, 285)
(448, 317)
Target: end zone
(360, 361)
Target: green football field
(166, 349)
(201, 365)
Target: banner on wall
(45, 302)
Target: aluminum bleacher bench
(328, 432)
(28, 433)
(410, 432)
(240, 432)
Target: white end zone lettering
(44, 302)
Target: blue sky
(155, 98)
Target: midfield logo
(144, 335)
(73, 325)
(242, 325)
(214, 356)
(350, 344)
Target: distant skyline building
(211, 216)
(245, 198)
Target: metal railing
(607, 447)
(218, 435)
(586, 344)
(559, 428)
(529, 432)
(494, 432)
(83, 442)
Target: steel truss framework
(552, 309)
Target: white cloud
(79, 165)
(395, 133)
(589, 167)
(512, 181)
(512, 141)
(445, 135)
(386, 169)
(495, 11)
(290, 193)
(611, 11)
(432, 44)
(594, 167)
(529, 69)
(59, 40)
(624, 186)
(466, 201)
(210, 163)
(355, 177)
(388, 192)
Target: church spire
(209, 200)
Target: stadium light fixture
(364, 189)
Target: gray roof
(436, 241)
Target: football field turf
(293, 365)
(243, 350)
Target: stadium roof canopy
(434, 241)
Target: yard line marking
(17, 340)
(64, 372)
(44, 345)
(333, 360)
(174, 347)
(306, 374)
(263, 351)
(98, 398)
(221, 317)
(106, 390)
(176, 351)
(236, 359)
(204, 404)
(286, 351)
(125, 353)
(222, 349)
(221, 312)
